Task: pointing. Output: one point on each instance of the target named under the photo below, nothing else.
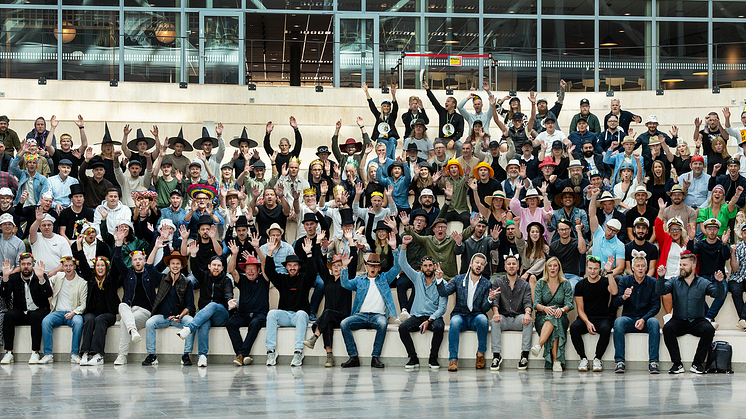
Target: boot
(329, 360)
(310, 343)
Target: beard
(684, 272)
(588, 153)
(576, 180)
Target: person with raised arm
(384, 131)
(282, 157)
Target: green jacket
(343, 159)
(441, 251)
(460, 191)
(593, 125)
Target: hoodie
(116, 216)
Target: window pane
(512, 43)
(356, 52)
(567, 7)
(624, 58)
(387, 6)
(353, 5)
(399, 35)
(624, 8)
(29, 47)
(729, 9)
(152, 46)
(502, 6)
(682, 8)
(453, 6)
(729, 54)
(142, 3)
(567, 53)
(289, 4)
(683, 52)
(92, 51)
(453, 37)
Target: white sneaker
(34, 358)
(121, 360)
(83, 359)
(76, 359)
(47, 359)
(535, 350)
(135, 336)
(667, 317)
(183, 333)
(404, 315)
(7, 358)
(597, 365)
(714, 324)
(297, 359)
(271, 358)
(97, 360)
(557, 366)
(202, 359)
(583, 366)
(741, 324)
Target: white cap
(7, 218)
(167, 222)
(48, 194)
(426, 192)
(652, 118)
(615, 224)
(513, 162)
(6, 192)
(49, 218)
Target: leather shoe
(354, 361)
(375, 362)
(481, 362)
(453, 365)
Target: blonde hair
(688, 152)
(560, 274)
(724, 154)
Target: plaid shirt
(8, 181)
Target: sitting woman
(533, 253)
(717, 208)
(131, 244)
(378, 239)
(424, 180)
(554, 299)
(682, 159)
(337, 302)
(626, 184)
(145, 212)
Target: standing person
(67, 305)
(480, 113)
(351, 150)
(735, 282)
(553, 301)
(640, 304)
(206, 143)
(472, 303)
(137, 149)
(689, 291)
(511, 308)
(66, 151)
(542, 110)
(385, 128)
(451, 124)
(415, 112)
(592, 297)
(712, 254)
(96, 187)
(30, 290)
(242, 157)
(179, 145)
(8, 136)
(624, 118)
(427, 309)
(284, 155)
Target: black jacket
(111, 283)
(217, 289)
(407, 119)
(151, 277)
(14, 286)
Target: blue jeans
(317, 296)
(717, 304)
(213, 314)
(390, 146)
(364, 321)
(284, 318)
(461, 322)
(624, 325)
(57, 319)
(574, 279)
(160, 322)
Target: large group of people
(544, 223)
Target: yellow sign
(455, 60)
(743, 135)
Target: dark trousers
(736, 290)
(403, 283)
(15, 318)
(678, 327)
(326, 323)
(412, 324)
(464, 217)
(254, 321)
(93, 339)
(603, 328)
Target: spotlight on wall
(319, 88)
(716, 89)
(42, 80)
(609, 93)
(385, 90)
(183, 85)
(252, 86)
(512, 93)
(449, 91)
(659, 92)
(114, 83)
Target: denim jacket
(41, 184)
(360, 286)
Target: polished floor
(62, 390)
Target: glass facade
(594, 45)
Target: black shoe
(497, 360)
(151, 359)
(413, 363)
(375, 362)
(523, 363)
(698, 369)
(677, 369)
(185, 360)
(354, 361)
(433, 363)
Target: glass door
(221, 48)
(357, 52)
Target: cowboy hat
(373, 259)
(251, 260)
(175, 255)
(558, 199)
(336, 258)
(351, 141)
(497, 194)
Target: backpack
(719, 358)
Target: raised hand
(438, 271)
(628, 292)
(192, 248)
(404, 218)
(293, 122)
(218, 129)
(532, 96)
(389, 190)
(390, 222)
(674, 132)
(127, 129)
(522, 172)
(54, 121)
(448, 191)
(661, 271)
(39, 213)
(609, 264)
(6, 269)
(154, 131)
(79, 122)
(270, 127)
(254, 240)
(360, 121)
(392, 240)
(39, 270)
(346, 260)
(456, 237)
(472, 184)
(661, 204)
(406, 240)
(88, 153)
(359, 188)
(697, 123)
(213, 231)
(307, 245)
(495, 233)
(280, 190)
(183, 232)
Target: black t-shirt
(650, 215)
(60, 155)
(484, 190)
(372, 187)
(68, 217)
(266, 217)
(141, 298)
(711, 257)
(254, 297)
(204, 254)
(568, 255)
(595, 296)
(651, 251)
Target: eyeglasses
(439, 227)
(674, 229)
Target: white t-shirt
(30, 306)
(63, 298)
(472, 288)
(373, 302)
(546, 139)
(51, 250)
(672, 264)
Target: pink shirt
(528, 218)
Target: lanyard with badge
(448, 128)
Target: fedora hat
(179, 139)
(275, 226)
(205, 137)
(677, 188)
(608, 196)
(395, 163)
(292, 258)
(373, 259)
(497, 194)
(531, 193)
(251, 260)
(132, 145)
(236, 142)
(175, 255)
(642, 189)
(336, 258)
